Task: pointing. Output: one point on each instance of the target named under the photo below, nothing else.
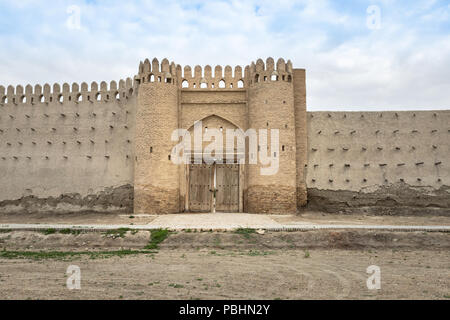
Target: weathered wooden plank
(200, 177)
(227, 188)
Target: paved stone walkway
(216, 221)
(224, 221)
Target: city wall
(67, 149)
(384, 162)
(107, 147)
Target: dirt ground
(283, 274)
(214, 265)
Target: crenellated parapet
(155, 72)
(265, 72)
(223, 78)
(220, 78)
(74, 93)
(188, 78)
(152, 72)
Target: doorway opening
(214, 188)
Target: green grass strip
(67, 255)
(157, 237)
(245, 232)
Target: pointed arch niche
(220, 124)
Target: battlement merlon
(154, 71)
(261, 71)
(68, 93)
(223, 78)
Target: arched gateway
(265, 104)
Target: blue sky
(405, 64)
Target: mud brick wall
(67, 149)
(156, 176)
(387, 162)
(271, 106)
(108, 147)
(301, 134)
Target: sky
(358, 55)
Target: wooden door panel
(200, 184)
(227, 182)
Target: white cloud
(406, 64)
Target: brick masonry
(107, 147)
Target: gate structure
(107, 147)
(263, 96)
(214, 188)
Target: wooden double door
(214, 188)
